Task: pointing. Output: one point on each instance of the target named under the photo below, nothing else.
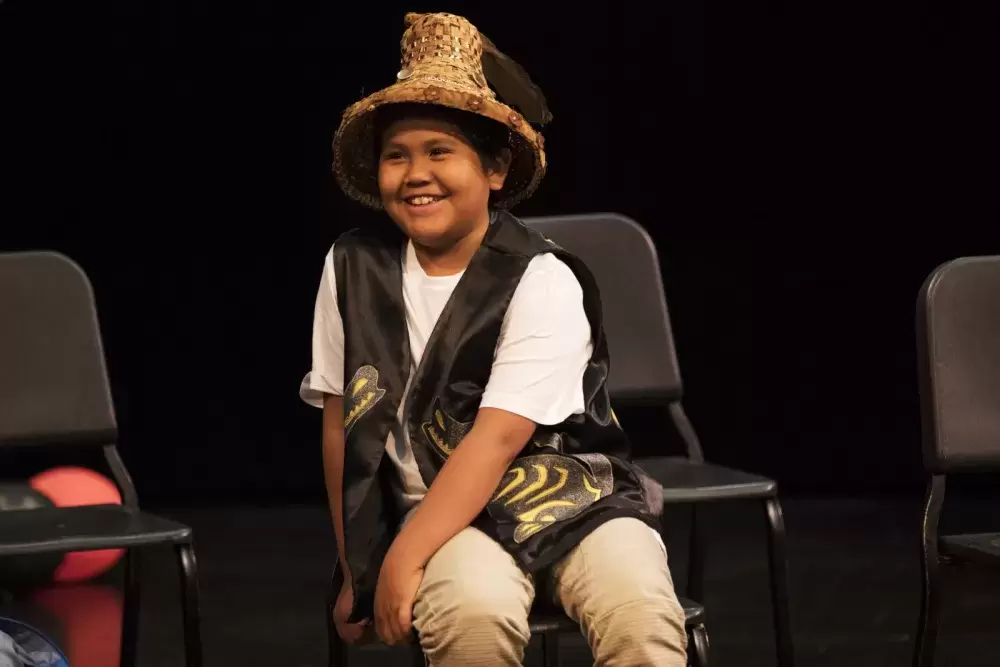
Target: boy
(469, 446)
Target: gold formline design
(361, 396)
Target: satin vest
(568, 480)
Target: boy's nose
(416, 178)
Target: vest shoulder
(519, 238)
(360, 237)
(515, 237)
(363, 242)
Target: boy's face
(433, 183)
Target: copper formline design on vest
(361, 395)
(543, 489)
(445, 432)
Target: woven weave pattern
(437, 51)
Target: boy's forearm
(461, 490)
(333, 470)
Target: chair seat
(976, 547)
(86, 528)
(686, 481)
(549, 618)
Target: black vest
(568, 480)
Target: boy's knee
(618, 585)
(472, 622)
(482, 608)
(639, 633)
(637, 614)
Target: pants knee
(476, 626)
(641, 632)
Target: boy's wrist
(405, 552)
(346, 571)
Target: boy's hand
(349, 632)
(395, 592)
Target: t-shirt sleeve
(326, 375)
(544, 347)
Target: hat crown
(443, 46)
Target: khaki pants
(472, 606)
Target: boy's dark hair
(489, 138)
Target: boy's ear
(497, 173)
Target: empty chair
(958, 349)
(55, 395)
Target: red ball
(73, 487)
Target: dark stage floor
(853, 565)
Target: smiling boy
(459, 357)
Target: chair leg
(930, 601)
(190, 601)
(417, 657)
(696, 559)
(699, 638)
(779, 583)
(550, 649)
(130, 613)
(337, 651)
(338, 648)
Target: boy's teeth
(421, 201)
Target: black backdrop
(801, 168)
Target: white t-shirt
(538, 366)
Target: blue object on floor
(24, 646)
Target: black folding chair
(545, 620)
(624, 261)
(958, 348)
(55, 395)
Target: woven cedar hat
(447, 62)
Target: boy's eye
(439, 150)
(392, 155)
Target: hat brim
(355, 164)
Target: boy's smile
(424, 204)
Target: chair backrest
(958, 344)
(54, 386)
(623, 259)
